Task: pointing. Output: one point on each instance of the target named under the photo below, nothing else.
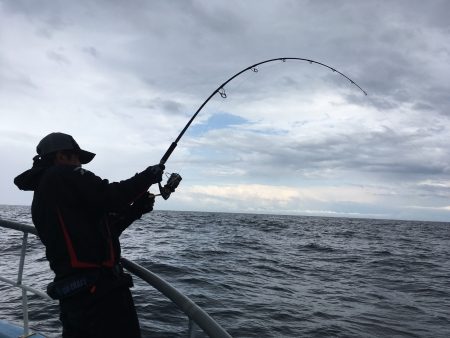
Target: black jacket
(79, 216)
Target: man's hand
(156, 172)
(144, 203)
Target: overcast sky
(124, 77)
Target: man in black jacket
(79, 218)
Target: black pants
(111, 315)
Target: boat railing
(196, 315)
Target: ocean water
(268, 275)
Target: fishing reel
(172, 183)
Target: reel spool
(172, 183)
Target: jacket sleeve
(109, 197)
(120, 221)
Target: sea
(266, 275)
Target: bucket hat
(59, 141)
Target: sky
(124, 78)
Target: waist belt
(96, 282)
(72, 285)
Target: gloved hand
(156, 172)
(143, 204)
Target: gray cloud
(168, 106)
(91, 51)
(58, 57)
(393, 155)
(17, 81)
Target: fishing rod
(175, 179)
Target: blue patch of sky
(224, 120)
(217, 121)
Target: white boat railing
(195, 314)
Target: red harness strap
(74, 261)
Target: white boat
(196, 315)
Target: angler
(79, 218)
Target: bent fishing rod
(175, 179)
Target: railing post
(191, 331)
(19, 282)
(192, 310)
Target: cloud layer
(124, 79)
